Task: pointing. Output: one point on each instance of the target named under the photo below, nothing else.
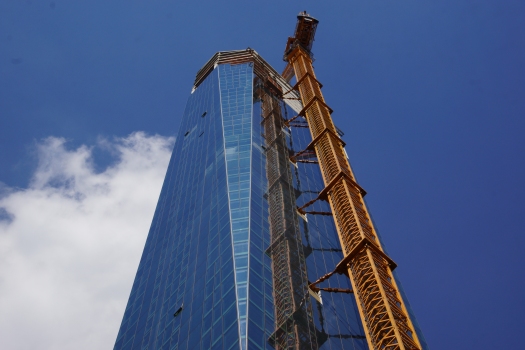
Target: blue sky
(430, 95)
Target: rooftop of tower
(262, 69)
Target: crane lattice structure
(383, 314)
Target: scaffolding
(295, 328)
(383, 313)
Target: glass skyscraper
(206, 276)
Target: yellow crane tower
(383, 313)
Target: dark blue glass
(205, 252)
(336, 314)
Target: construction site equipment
(295, 328)
(383, 313)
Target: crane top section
(304, 34)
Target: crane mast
(382, 310)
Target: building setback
(228, 258)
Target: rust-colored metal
(295, 328)
(383, 313)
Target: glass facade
(335, 314)
(204, 280)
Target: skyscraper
(261, 238)
(206, 278)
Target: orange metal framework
(384, 316)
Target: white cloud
(71, 243)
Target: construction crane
(384, 315)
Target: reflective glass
(204, 280)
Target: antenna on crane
(304, 34)
(303, 37)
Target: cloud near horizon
(70, 242)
